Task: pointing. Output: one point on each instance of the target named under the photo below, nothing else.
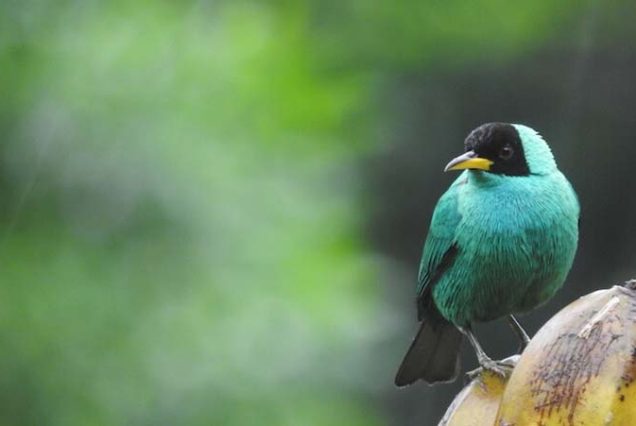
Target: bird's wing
(440, 248)
(433, 355)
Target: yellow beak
(468, 160)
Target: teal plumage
(502, 240)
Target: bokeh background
(211, 212)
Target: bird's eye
(506, 152)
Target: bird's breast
(516, 245)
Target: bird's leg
(520, 332)
(485, 362)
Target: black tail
(433, 355)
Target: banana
(579, 369)
(477, 403)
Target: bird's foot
(501, 368)
(524, 342)
(522, 347)
(524, 339)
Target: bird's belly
(500, 273)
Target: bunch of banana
(579, 369)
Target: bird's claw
(522, 346)
(500, 368)
(494, 368)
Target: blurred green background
(211, 212)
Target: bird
(501, 241)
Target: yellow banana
(580, 367)
(578, 370)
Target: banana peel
(579, 369)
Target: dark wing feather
(440, 248)
(434, 353)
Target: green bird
(502, 240)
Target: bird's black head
(493, 147)
(501, 144)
